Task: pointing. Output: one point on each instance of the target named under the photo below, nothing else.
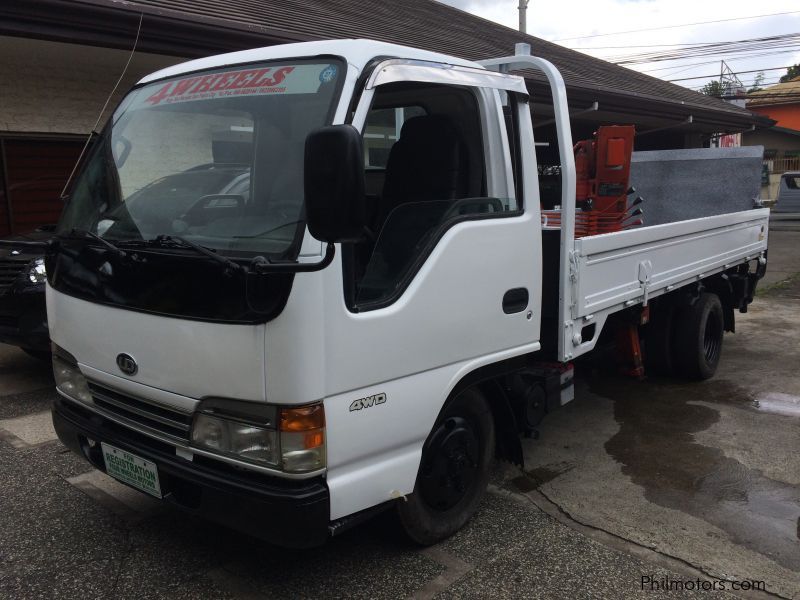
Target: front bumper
(290, 513)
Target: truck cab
(162, 352)
(355, 320)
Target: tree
(791, 73)
(757, 83)
(713, 88)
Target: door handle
(515, 300)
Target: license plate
(129, 468)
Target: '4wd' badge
(367, 402)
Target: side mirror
(334, 184)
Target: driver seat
(429, 162)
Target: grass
(779, 286)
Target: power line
(735, 73)
(584, 37)
(688, 66)
(768, 44)
(647, 45)
(732, 55)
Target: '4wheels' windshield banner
(288, 79)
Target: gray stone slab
(29, 430)
(20, 373)
(18, 405)
(687, 184)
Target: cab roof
(357, 52)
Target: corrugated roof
(432, 26)
(782, 93)
(425, 24)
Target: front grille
(145, 413)
(10, 268)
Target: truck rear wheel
(698, 338)
(453, 472)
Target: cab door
(447, 280)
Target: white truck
(298, 285)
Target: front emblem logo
(126, 364)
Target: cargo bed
(614, 271)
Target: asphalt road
(685, 485)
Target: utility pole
(523, 18)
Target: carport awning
(193, 28)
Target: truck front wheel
(453, 472)
(698, 338)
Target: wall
(771, 139)
(50, 87)
(51, 95)
(787, 115)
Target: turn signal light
(305, 418)
(302, 438)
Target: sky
(570, 22)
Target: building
(62, 59)
(781, 103)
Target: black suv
(23, 316)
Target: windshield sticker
(299, 79)
(328, 74)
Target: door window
(382, 130)
(431, 158)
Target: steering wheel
(202, 203)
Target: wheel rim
(450, 464)
(712, 339)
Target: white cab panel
(188, 358)
(374, 453)
(447, 323)
(451, 311)
(295, 357)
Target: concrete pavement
(675, 484)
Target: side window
(382, 130)
(432, 168)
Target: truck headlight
(243, 440)
(69, 379)
(36, 271)
(295, 443)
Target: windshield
(214, 157)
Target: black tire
(42, 355)
(658, 341)
(453, 472)
(699, 330)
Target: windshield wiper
(88, 234)
(167, 239)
